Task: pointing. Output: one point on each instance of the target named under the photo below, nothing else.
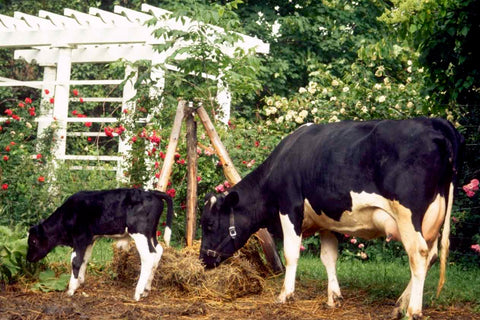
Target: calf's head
(225, 228)
(38, 243)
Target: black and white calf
(118, 213)
(369, 179)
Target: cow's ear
(231, 199)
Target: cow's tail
(168, 228)
(445, 242)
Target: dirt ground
(104, 298)
(241, 288)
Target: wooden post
(228, 169)
(172, 146)
(192, 174)
(233, 177)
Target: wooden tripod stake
(229, 170)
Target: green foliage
(49, 281)
(24, 164)
(13, 252)
(199, 51)
(445, 32)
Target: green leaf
(48, 281)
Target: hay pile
(182, 273)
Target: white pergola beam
(59, 20)
(83, 36)
(11, 24)
(109, 18)
(35, 22)
(92, 54)
(84, 19)
(132, 15)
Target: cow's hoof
(418, 316)
(284, 298)
(397, 313)
(335, 302)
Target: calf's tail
(168, 228)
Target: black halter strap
(232, 234)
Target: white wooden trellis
(55, 42)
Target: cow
(391, 178)
(118, 213)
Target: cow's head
(38, 244)
(225, 228)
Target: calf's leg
(79, 258)
(157, 257)
(147, 262)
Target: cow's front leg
(291, 248)
(329, 255)
(79, 266)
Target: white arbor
(55, 42)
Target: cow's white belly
(371, 217)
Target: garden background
(328, 61)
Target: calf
(117, 213)
(369, 179)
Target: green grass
(389, 279)
(102, 253)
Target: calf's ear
(231, 199)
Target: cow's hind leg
(147, 262)
(329, 255)
(80, 257)
(403, 301)
(157, 257)
(418, 253)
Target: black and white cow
(369, 179)
(118, 213)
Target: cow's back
(407, 160)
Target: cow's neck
(56, 226)
(255, 200)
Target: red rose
(28, 100)
(5, 158)
(41, 179)
(171, 192)
(8, 112)
(21, 105)
(52, 100)
(39, 156)
(4, 186)
(88, 124)
(75, 92)
(47, 91)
